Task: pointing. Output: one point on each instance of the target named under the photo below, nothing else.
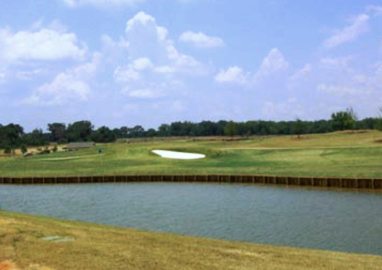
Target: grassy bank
(42, 243)
(345, 154)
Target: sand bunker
(178, 155)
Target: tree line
(12, 136)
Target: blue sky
(127, 62)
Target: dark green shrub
(23, 149)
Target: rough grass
(23, 243)
(344, 154)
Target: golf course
(339, 154)
(42, 243)
(190, 135)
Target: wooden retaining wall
(353, 183)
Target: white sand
(177, 155)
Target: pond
(313, 218)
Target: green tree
(230, 129)
(137, 131)
(80, 131)
(11, 136)
(178, 129)
(57, 132)
(151, 133)
(121, 132)
(298, 128)
(7, 150)
(164, 130)
(220, 126)
(206, 128)
(23, 149)
(35, 138)
(103, 135)
(344, 120)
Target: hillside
(35, 243)
(342, 154)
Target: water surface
(313, 218)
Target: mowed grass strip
(344, 154)
(44, 243)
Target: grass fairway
(36, 243)
(346, 154)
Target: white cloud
(274, 62)
(28, 74)
(231, 75)
(132, 72)
(42, 45)
(71, 85)
(300, 76)
(111, 45)
(336, 63)
(151, 60)
(126, 74)
(142, 64)
(164, 69)
(144, 19)
(144, 93)
(101, 3)
(201, 40)
(148, 40)
(302, 73)
(350, 33)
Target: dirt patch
(378, 141)
(8, 265)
